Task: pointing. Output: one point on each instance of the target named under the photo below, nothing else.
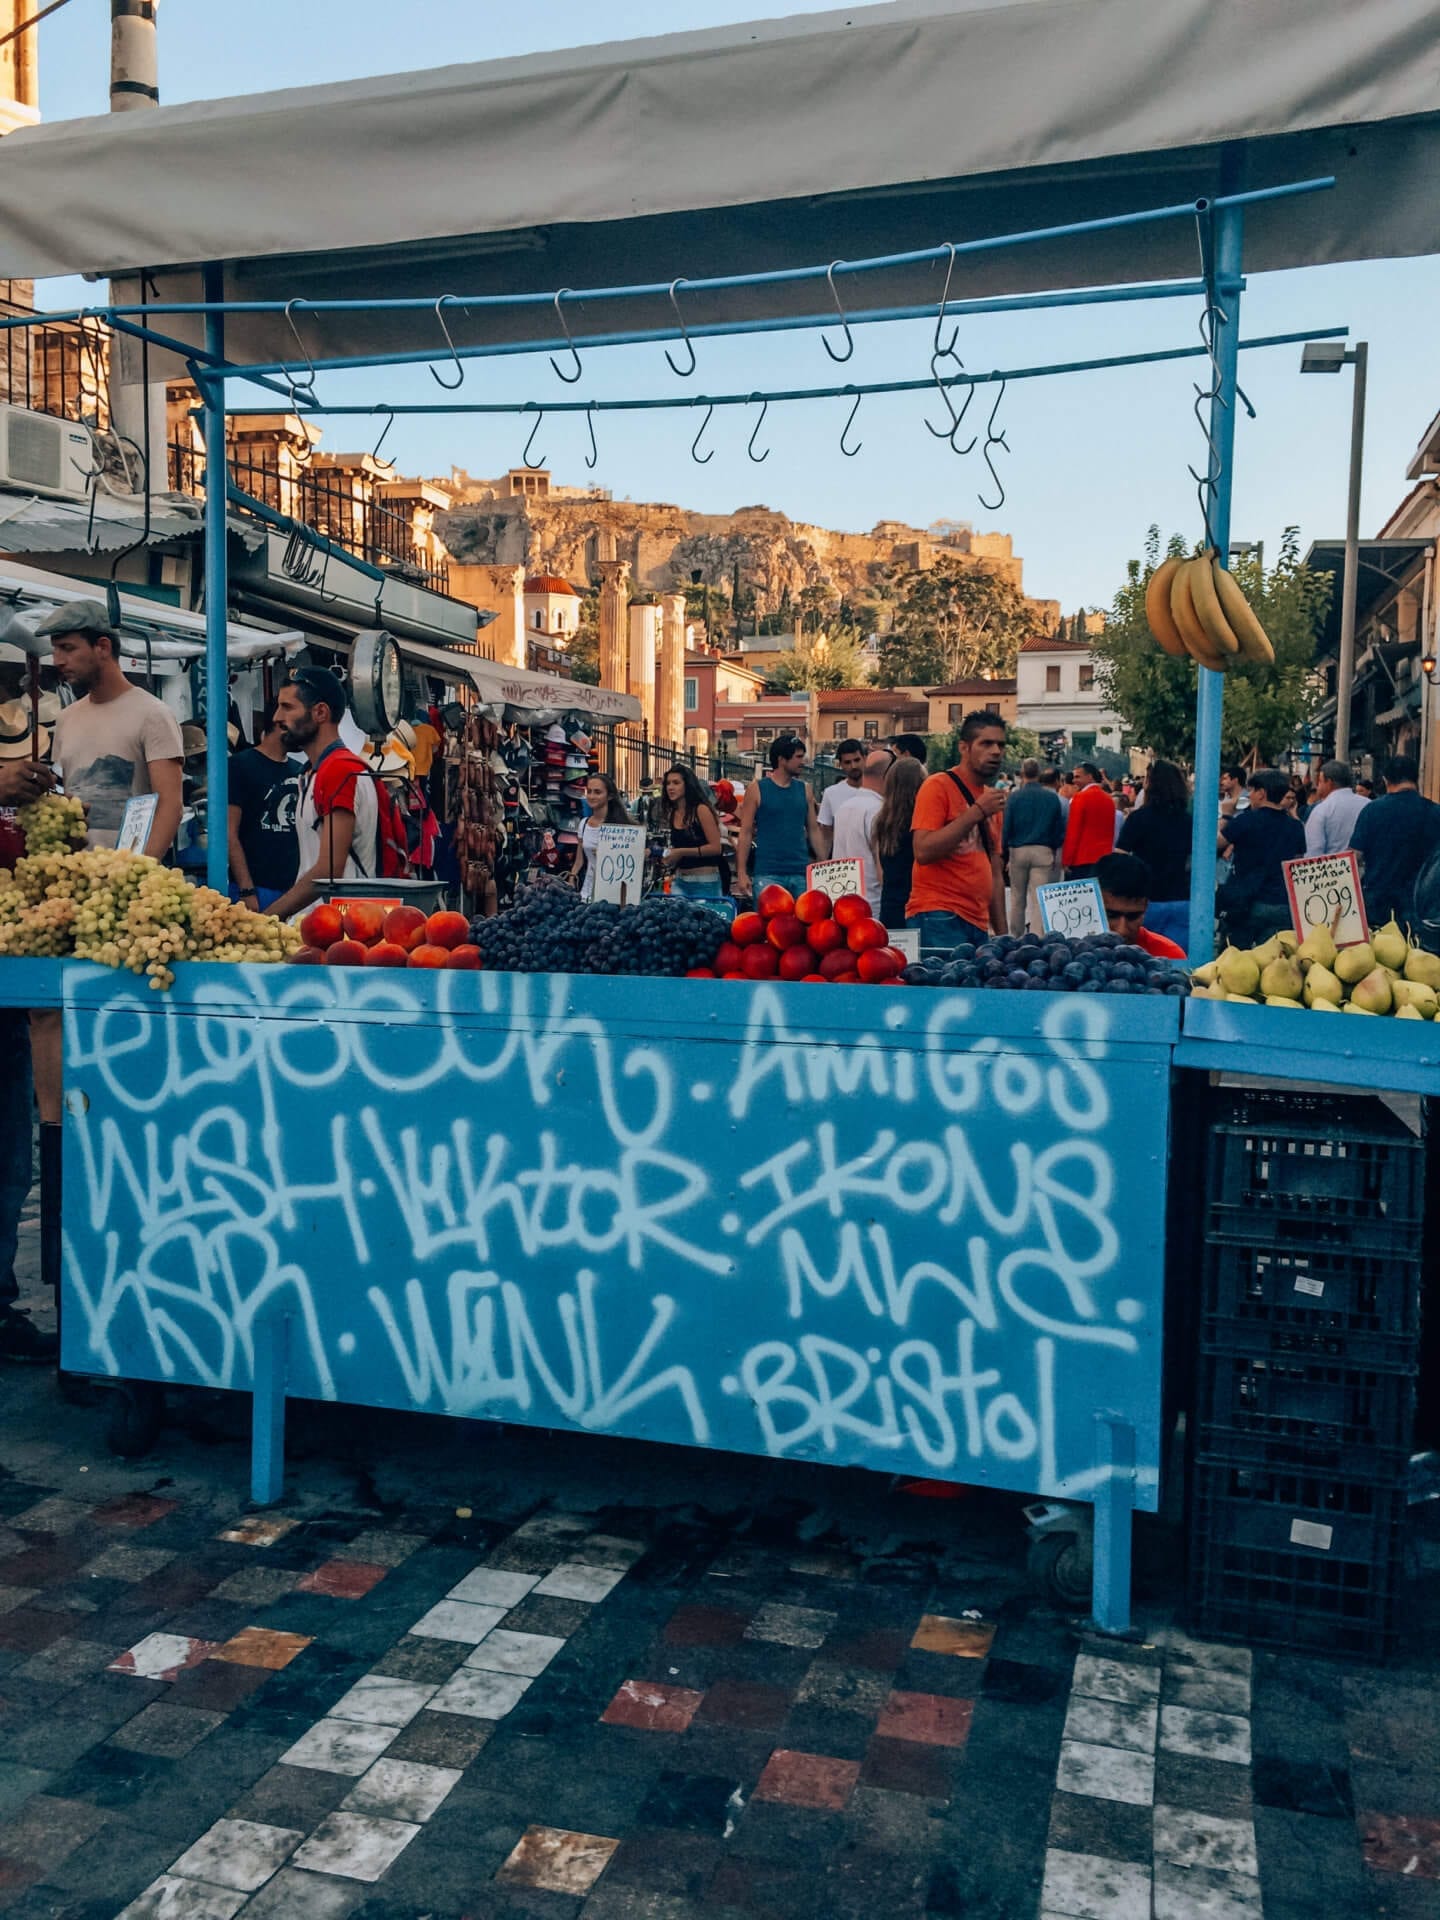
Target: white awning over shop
(511, 687)
(151, 627)
(838, 135)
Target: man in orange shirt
(957, 891)
(1090, 828)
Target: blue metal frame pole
(1210, 698)
(217, 594)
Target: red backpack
(392, 838)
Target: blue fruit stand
(922, 1232)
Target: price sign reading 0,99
(1325, 892)
(620, 866)
(1072, 907)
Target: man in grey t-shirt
(115, 740)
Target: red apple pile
(365, 933)
(810, 939)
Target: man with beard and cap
(115, 740)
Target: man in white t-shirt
(336, 818)
(850, 758)
(855, 824)
(115, 740)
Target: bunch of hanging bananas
(1195, 607)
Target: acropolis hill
(527, 520)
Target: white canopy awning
(503, 686)
(835, 135)
(150, 626)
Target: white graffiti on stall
(878, 1253)
(489, 1361)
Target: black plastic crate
(1307, 1412)
(1249, 1580)
(1324, 1111)
(1313, 1290)
(1284, 1509)
(1279, 1181)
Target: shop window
(1087, 679)
(1052, 679)
(692, 693)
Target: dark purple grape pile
(549, 930)
(1100, 963)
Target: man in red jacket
(1090, 829)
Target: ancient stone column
(614, 648)
(644, 639)
(670, 673)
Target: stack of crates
(1309, 1350)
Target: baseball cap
(79, 616)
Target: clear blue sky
(1095, 457)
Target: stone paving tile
(166, 1730)
(557, 1861)
(237, 1853)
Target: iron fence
(327, 499)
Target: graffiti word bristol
(896, 1248)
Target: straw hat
(15, 733)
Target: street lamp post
(1328, 356)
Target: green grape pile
(126, 910)
(52, 824)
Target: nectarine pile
(367, 933)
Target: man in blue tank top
(779, 835)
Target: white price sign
(1072, 907)
(906, 940)
(836, 877)
(136, 821)
(620, 866)
(1325, 892)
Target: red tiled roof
(867, 700)
(995, 689)
(549, 583)
(1054, 644)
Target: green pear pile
(1382, 975)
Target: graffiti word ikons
(894, 1249)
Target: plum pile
(1100, 963)
(549, 930)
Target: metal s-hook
(850, 452)
(969, 447)
(937, 351)
(298, 389)
(702, 459)
(839, 358)
(750, 448)
(533, 465)
(994, 439)
(459, 380)
(683, 372)
(592, 459)
(388, 465)
(568, 378)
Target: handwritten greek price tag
(906, 940)
(834, 877)
(620, 866)
(1325, 892)
(136, 821)
(1072, 907)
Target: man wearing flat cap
(115, 740)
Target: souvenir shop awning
(502, 686)
(829, 136)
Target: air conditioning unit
(40, 454)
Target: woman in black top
(893, 839)
(695, 857)
(1159, 832)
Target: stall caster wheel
(1060, 1565)
(137, 1413)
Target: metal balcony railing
(327, 499)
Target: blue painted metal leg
(1114, 1505)
(267, 1429)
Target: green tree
(824, 664)
(1265, 706)
(583, 653)
(954, 622)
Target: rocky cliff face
(665, 545)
